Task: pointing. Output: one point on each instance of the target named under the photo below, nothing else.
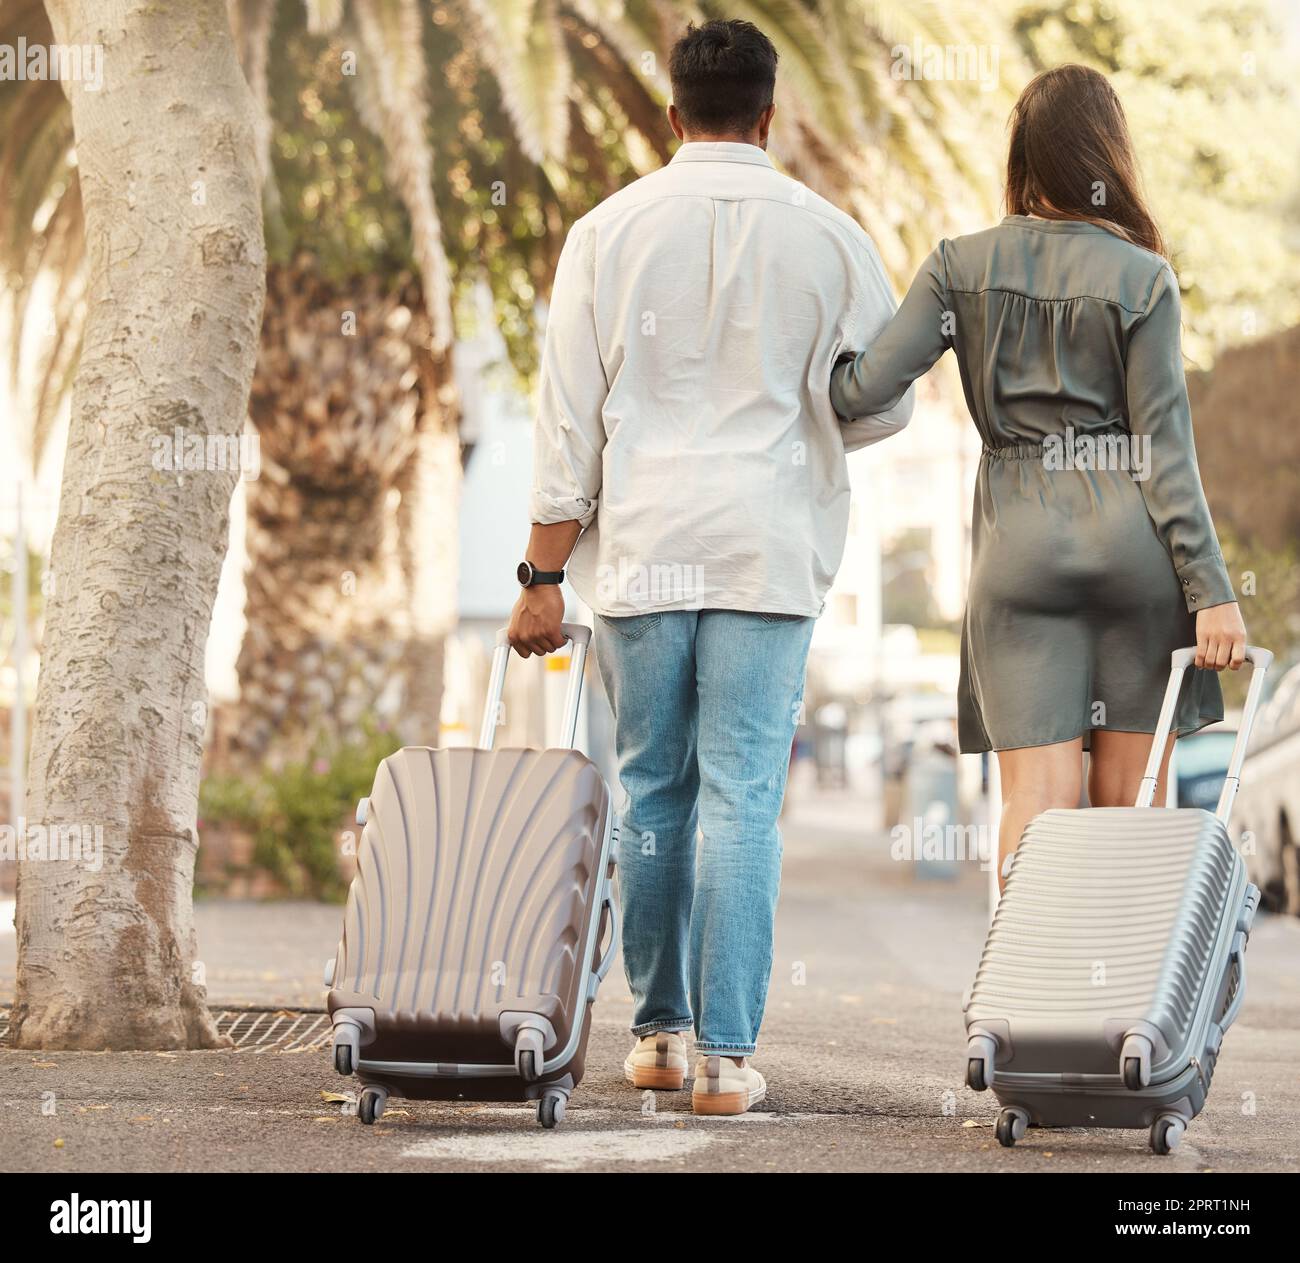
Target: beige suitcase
(1116, 961)
(481, 920)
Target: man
(686, 444)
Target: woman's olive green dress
(1093, 545)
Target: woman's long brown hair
(1071, 156)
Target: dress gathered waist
(1016, 451)
(1028, 449)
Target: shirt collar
(721, 151)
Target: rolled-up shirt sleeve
(569, 432)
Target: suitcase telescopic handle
(579, 637)
(1179, 662)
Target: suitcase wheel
(1166, 1132)
(1135, 1061)
(1133, 1074)
(981, 1053)
(343, 1058)
(370, 1107)
(1011, 1126)
(529, 1048)
(347, 1044)
(550, 1109)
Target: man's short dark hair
(723, 74)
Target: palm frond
(522, 41)
(251, 22)
(389, 85)
(323, 16)
(601, 66)
(40, 228)
(809, 71)
(638, 32)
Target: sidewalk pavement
(862, 1047)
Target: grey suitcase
(474, 938)
(1116, 958)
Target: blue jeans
(705, 706)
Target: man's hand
(1220, 637)
(535, 622)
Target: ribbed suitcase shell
(477, 888)
(1111, 918)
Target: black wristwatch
(528, 575)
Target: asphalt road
(862, 1048)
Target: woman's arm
(1158, 409)
(921, 330)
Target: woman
(1094, 554)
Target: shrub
(296, 814)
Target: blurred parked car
(1201, 763)
(1268, 805)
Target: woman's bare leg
(1034, 780)
(1118, 761)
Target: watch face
(525, 573)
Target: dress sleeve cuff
(546, 510)
(1205, 583)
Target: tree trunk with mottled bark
(107, 956)
(351, 540)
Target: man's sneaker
(657, 1061)
(723, 1087)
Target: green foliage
(1267, 581)
(503, 216)
(295, 815)
(333, 198)
(35, 597)
(1209, 90)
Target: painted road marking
(565, 1149)
(658, 1116)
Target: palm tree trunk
(351, 524)
(107, 955)
(429, 535)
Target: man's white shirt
(684, 415)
